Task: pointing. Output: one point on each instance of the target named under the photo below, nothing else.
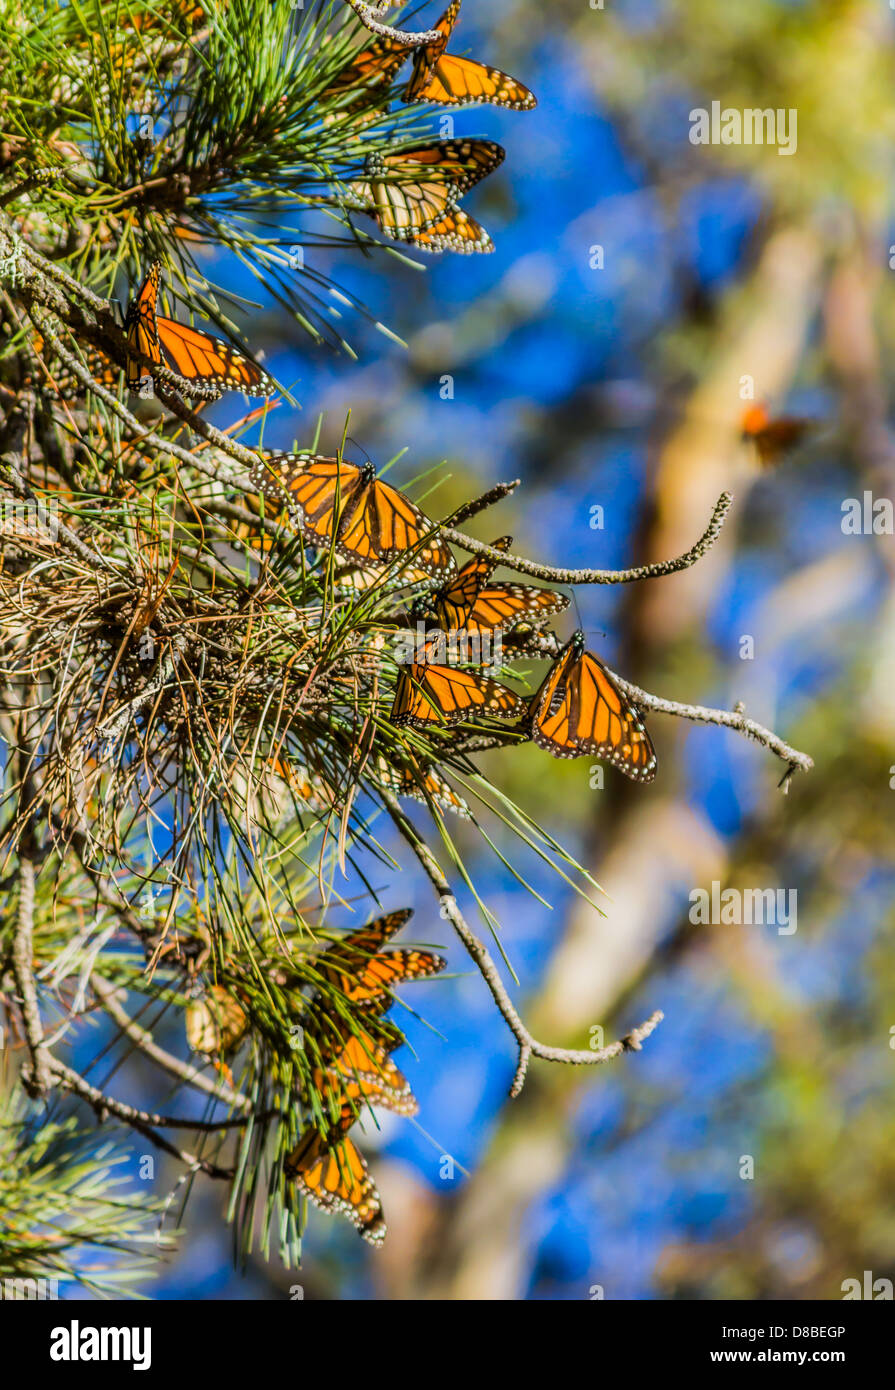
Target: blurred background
(600, 355)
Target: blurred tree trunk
(656, 841)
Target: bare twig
(37, 1079)
(628, 576)
(140, 1120)
(528, 1046)
(370, 17)
(479, 504)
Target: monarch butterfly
(772, 438)
(365, 1071)
(469, 603)
(59, 380)
(422, 783)
(579, 709)
(415, 189)
(446, 80)
(371, 66)
(455, 231)
(195, 355)
(370, 521)
(364, 972)
(334, 1176)
(430, 695)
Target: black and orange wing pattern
(415, 190)
(469, 603)
(370, 521)
(432, 696)
(141, 326)
(423, 784)
(366, 1074)
(57, 379)
(371, 66)
(364, 972)
(446, 80)
(334, 1176)
(193, 354)
(455, 231)
(580, 710)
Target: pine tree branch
(370, 17)
(166, 1060)
(529, 1046)
(628, 576)
(38, 1077)
(547, 644)
(140, 1120)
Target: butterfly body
(470, 603)
(154, 340)
(580, 710)
(444, 79)
(367, 520)
(428, 695)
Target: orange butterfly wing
(372, 66)
(429, 695)
(580, 710)
(445, 80)
(377, 524)
(455, 231)
(194, 355)
(415, 190)
(198, 356)
(335, 1178)
(471, 604)
(142, 330)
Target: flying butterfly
(773, 438)
(333, 1174)
(415, 190)
(432, 696)
(365, 972)
(471, 603)
(369, 521)
(194, 355)
(446, 80)
(580, 710)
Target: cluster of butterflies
(578, 709)
(349, 1071)
(414, 194)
